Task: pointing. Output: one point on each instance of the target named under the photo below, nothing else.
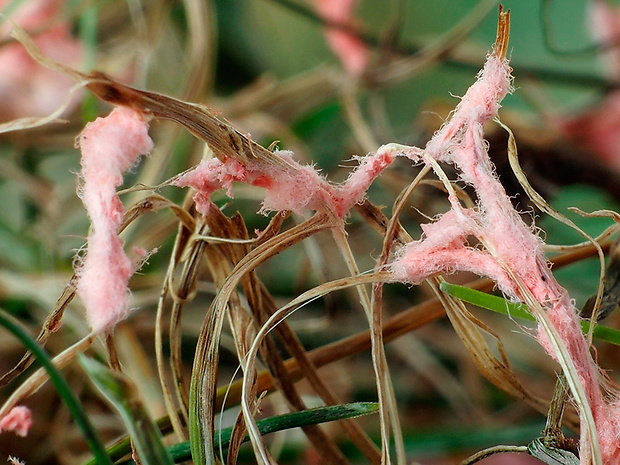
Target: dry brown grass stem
(250, 362)
(385, 391)
(259, 302)
(204, 373)
(503, 33)
(39, 377)
(376, 325)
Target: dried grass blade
(468, 329)
(51, 324)
(223, 139)
(376, 331)
(263, 305)
(39, 377)
(308, 371)
(237, 438)
(540, 202)
(387, 403)
(174, 412)
(255, 292)
(204, 375)
(180, 297)
(274, 320)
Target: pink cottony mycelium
(597, 129)
(110, 146)
(297, 188)
(512, 255)
(351, 50)
(18, 420)
(507, 251)
(26, 87)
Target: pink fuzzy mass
(298, 188)
(509, 243)
(352, 52)
(26, 87)
(597, 129)
(109, 147)
(18, 420)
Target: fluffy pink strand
(352, 52)
(510, 243)
(298, 188)
(18, 420)
(109, 146)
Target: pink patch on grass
(597, 129)
(26, 87)
(18, 420)
(443, 250)
(352, 52)
(509, 244)
(110, 146)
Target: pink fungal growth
(444, 250)
(18, 420)
(605, 28)
(26, 87)
(510, 244)
(109, 146)
(597, 129)
(351, 51)
(509, 252)
(297, 188)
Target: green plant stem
(519, 310)
(181, 452)
(61, 385)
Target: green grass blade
(181, 452)
(488, 301)
(602, 333)
(122, 394)
(61, 385)
(519, 310)
(196, 426)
